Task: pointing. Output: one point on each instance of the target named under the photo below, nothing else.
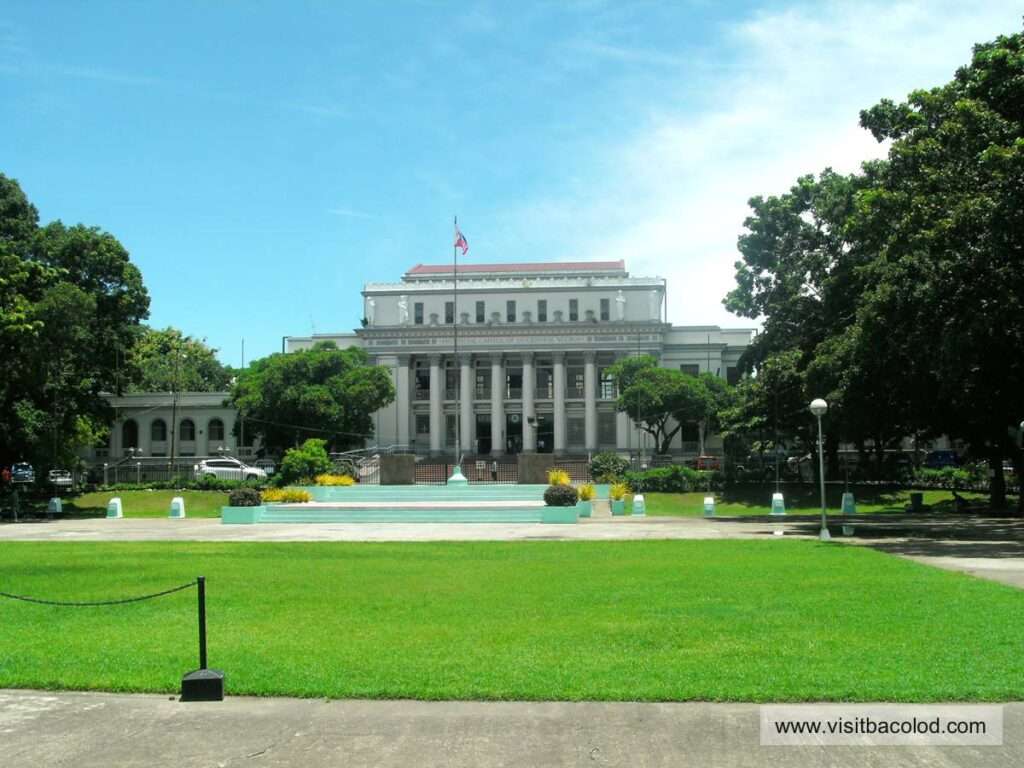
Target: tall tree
(69, 299)
(323, 392)
(947, 223)
(167, 360)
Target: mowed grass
(145, 503)
(777, 620)
(800, 499)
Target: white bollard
(778, 504)
(114, 508)
(709, 506)
(55, 507)
(177, 508)
(849, 505)
(639, 506)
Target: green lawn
(146, 503)
(800, 499)
(779, 620)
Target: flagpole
(455, 344)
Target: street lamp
(819, 407)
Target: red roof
(529, 267)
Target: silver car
(60, 478)
(228, 469)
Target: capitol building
(514, 358)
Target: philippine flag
(460, 241)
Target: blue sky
(261, 161)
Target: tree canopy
(323, 392)
(167, 360)
(661, 400)
(897, 292)
(70, 303)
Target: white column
(466, 403)
(529, 383)
(621, 431)
(559, 414)
(497, 404)
(589, 401)
(403, 397)
(436, 427)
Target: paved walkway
(84, 730)
(991, 548)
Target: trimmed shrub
(300, 465)
(244, 497)
(328, 479)
(618, 491)
(560, 496)
(586, 492)
(287, 495)
(674, 479)
(608, 467)
(558, 477)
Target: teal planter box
(241, 515)
(583, 508)
(618, 508)
(558, 515)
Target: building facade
(515, 357)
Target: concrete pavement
(103, 730)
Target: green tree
(302, 464)
(947, 223)
(324, 391)
(167, 360)
(69, 300)
(661, 400)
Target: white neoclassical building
(528, 347)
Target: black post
(201, 595)
(203, 684)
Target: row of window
(511, 313)
(544, 383)
(575, 430)
(732, 373)
(158, 431)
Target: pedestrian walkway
(99, 730)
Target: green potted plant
(559, 504)
(586, 493)
(617, 493)
(244, 507)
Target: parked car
(60, 478)
(941, 459)
(228, 469)
(22, 473)
(708, 463)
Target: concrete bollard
(639, 506)
(709, 506)
(177, 508)
(114, 508)
(778, 504)
(849, 505)
(55, 507)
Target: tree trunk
(997, 483)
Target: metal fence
(476, 471)
(578, 469)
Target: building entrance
(513, 433)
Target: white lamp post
(819, 407)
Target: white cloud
(673, 196)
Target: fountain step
(398, 514)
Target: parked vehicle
(708, 463)
(941, 459)
(60, 478)
(228, 469)
(22, 472)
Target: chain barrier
(139, 599)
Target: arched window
(215, 430)
(130, 434)
(158, 431)
(187, 431)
